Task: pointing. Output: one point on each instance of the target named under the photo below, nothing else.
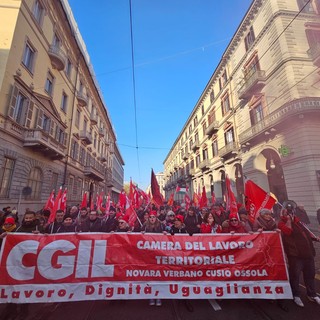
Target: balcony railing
(195, 146)
(58, 57)
(102, 158)
(42, 142)
(228, 149)
(101, 132)
(252, 84)
(277, 117)
(186, 156)
(212, 128)
(91, 172)
(85, 136)
(93, 118)
(82, 99)
(314, 54)
(203, 165)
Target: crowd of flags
(255, 199)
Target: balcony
(40, 141)
(252, 84)
(101, 133)
(204, 165)
(276, 118)
(91, 172)
(102, 158)
(195, 146)
(82, 99)
(85, 137)
(314, 54)
(228, 150)
(186, 156)
(93, 119)
(57, 57)
(212, 128)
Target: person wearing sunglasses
(233, 225)
(123, 224)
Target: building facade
(259, 115)
(54, 125)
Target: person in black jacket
(93, 223)
(192, 221)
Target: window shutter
(29, 114)
(13, 102)
(52, 127)
(65, 137)
(40, 118)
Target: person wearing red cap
(123, 224)
(233, 225)
(9, 225)
(209, 225)
(178, 226)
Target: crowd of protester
(179, 219)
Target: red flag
(50, 202)
(213, 197)
(203, 200)
(122, 199)
(99, 201)
(84, 200)
(170, 201)
(155, 189)
(256, 199)
(56, 206)
(131, 214)
(108, 204)
(63, 204)
(187, 200)
(231, 202)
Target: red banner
(88, 266)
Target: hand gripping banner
(90, 266)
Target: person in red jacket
(209, 225)
(298, 245)
(233, 225)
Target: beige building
(259, 115)
(54, 126)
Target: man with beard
(29, 223)
(56, 224)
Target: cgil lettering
(70, 260)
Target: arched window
(35, 183)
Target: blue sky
(177, 46)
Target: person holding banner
(178, 226)
(209, 225)
(233, 225)
(56, 224)
(192, 221)
(67, 225)
(265, 221)
(29, 223)
(298, 245)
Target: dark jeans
(307, 267)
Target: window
(197, 160)
(71, 186)
(6, 172)
(49, 84)
(82, 155)
(56, 41)
(256, 113)
(251, 67)
(202, 110)
(77, 122)
(196, 137)
(305, 6)
(229, 136)
(64, 102)
(61, 136)
(54, 181)
(212, 96)
(74, 150)
(20, 108)
(28, 57)
(68, 68)
(204, 127)
(35, 183)
(95, 140)
(212, 116)
(215, 149)
(225, 104)
(249, 39)
(38, 11)
(190, 128)
(85, 125)
(195, 121)
(313, 36)
(43, 121)
(205, 154)
(223, 79)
